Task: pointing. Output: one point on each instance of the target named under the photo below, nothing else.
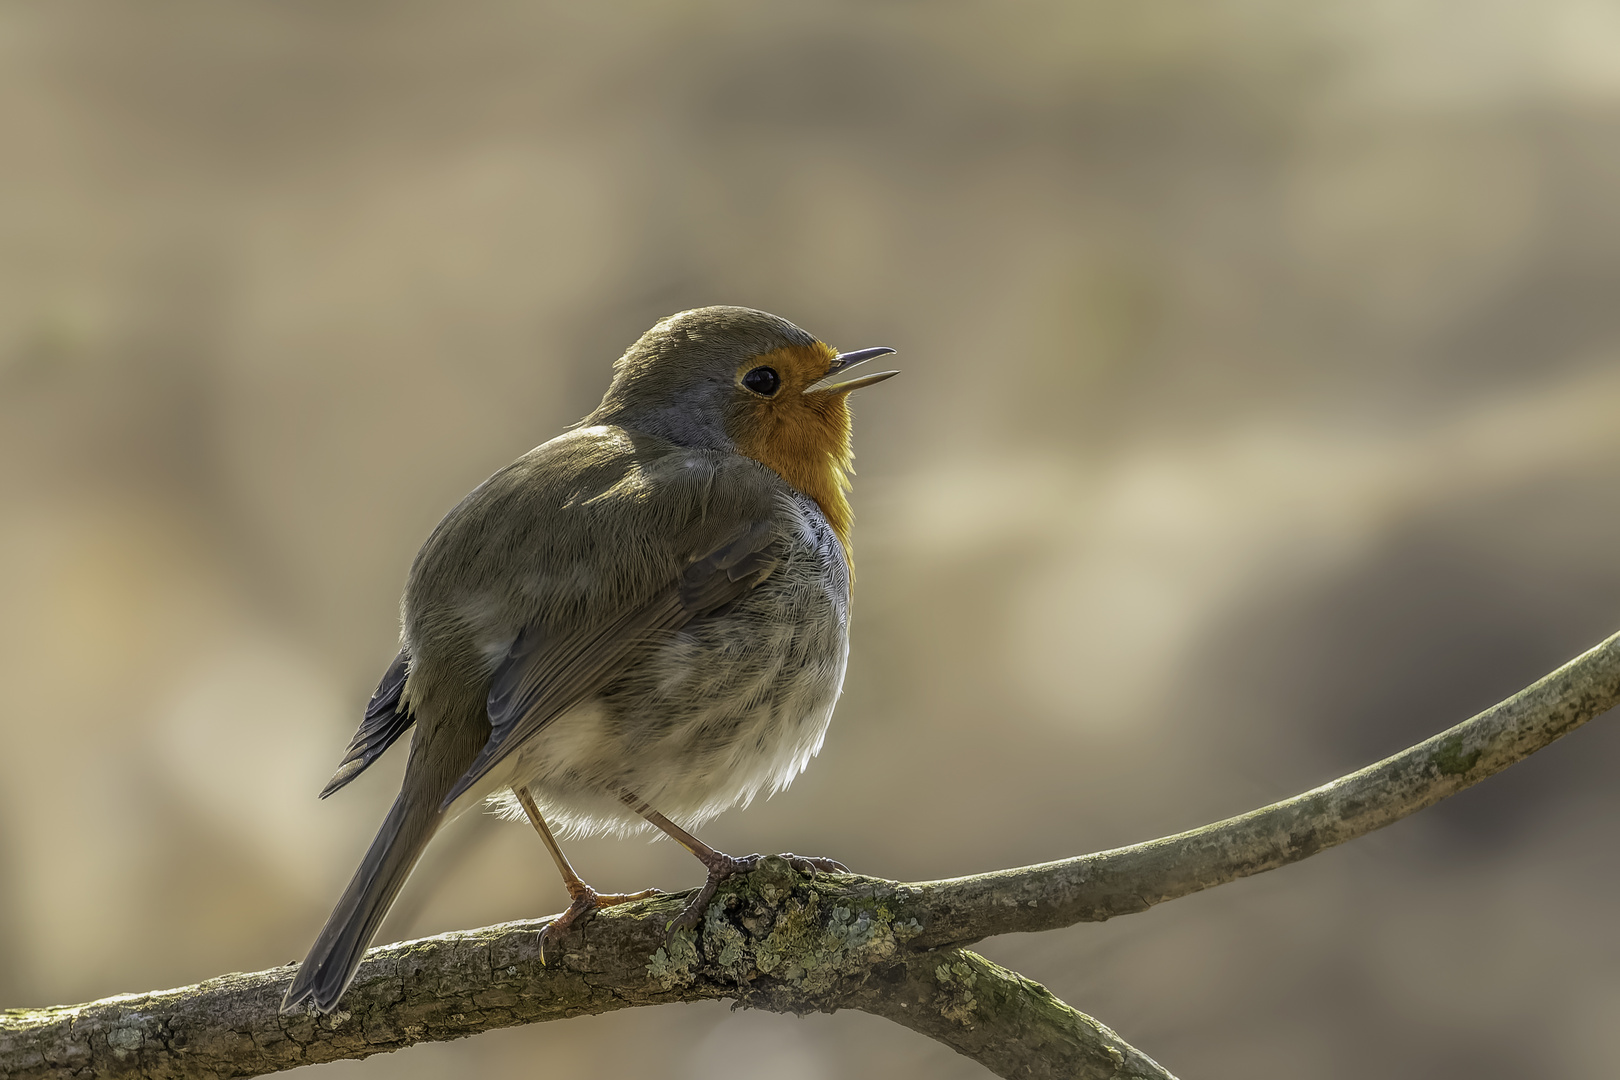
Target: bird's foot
(722, 866)
(583, 904)
(811, 864)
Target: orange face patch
(803, 437)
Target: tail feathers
(335, 957)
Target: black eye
(763, 381)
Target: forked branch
(777, 940)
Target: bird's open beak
(835, 379)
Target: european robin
(646, 615)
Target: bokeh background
(1258, 418)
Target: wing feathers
(385, 721)
(728, 572)
(547, 673)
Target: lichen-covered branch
(777, 940)
(773, 939)
(1014, 1025)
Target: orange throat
(804, 438)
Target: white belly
(707, 717)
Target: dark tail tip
(316, 985)
(335, 957)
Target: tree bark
(778, 940)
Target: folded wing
(546, 673)
(386, 719)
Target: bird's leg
(719, 864)
(583, 900)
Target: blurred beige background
(1258, 417)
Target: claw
(810, 864)
(721, 866)
(585, 903)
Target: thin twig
(1126, 880)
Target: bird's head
(729, 378)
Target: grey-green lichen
(772, 928)
(956, 982)
(671, 966)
